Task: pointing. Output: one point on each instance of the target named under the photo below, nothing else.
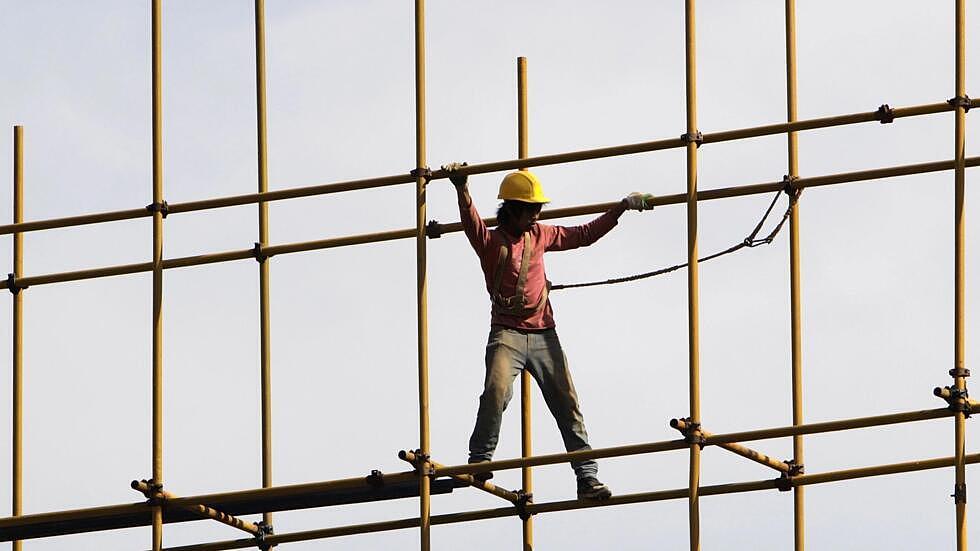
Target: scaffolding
(427, 477)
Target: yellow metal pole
(265, 368)
(157, 321)
(17, 447)
(569, 505)
(384, 181)
(422, 300)
(692, 140)
(794, 271)
(526, 481)
(959, 366)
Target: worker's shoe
(590, 488)
(481, 476)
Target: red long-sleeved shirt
(487, 242)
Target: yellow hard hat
(522, 186)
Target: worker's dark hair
(509, 210)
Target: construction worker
(522, 330)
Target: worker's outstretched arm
(564, 238)
(474, 227)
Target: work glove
(457, 179)
(639, 201)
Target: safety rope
(750, 241)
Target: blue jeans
(508, 352)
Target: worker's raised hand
(639, 201)
(454, 176)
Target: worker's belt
(515, 305)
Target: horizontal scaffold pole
(384, 181)
(375, 487)
(320, 494)
(556, 506)
(361, 239)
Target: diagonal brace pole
(694, 432)
(488, 487)
(156, 494)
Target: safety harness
(515, 305)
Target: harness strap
(515, 305)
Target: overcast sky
(877, 258)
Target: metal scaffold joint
(696, 137)
(959, 493)
(162, 207)
(959, 372)
(523, 499)
(375, 479)
(265, 529)
(785, 482)
(790, 186)
(433, 230)
(961, 101)
(691, 431)
(423, 464)
(13, 286)
(958, 400)
(885, 114)
(423, 172)
(152, 490)
(258, 252)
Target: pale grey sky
(877, 257)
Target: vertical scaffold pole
(692, 272)
(17, 445)
(265, 368)
(959, 368)
(794, 271)
(157, 322)
(422, 302)
(526, 482)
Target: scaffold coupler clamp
(691, 431)
(885, 114)
(154, 492)
(375, 479)
(422, 464)
(433, 230)
(958, 400)
(790, 187)
(523, 499)
(162, 207)
(258, 252)
(959, 493)
(961, 101)
(13, 286)
(423, 172)
(785, 481)
(696, 138)
(265, 530)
